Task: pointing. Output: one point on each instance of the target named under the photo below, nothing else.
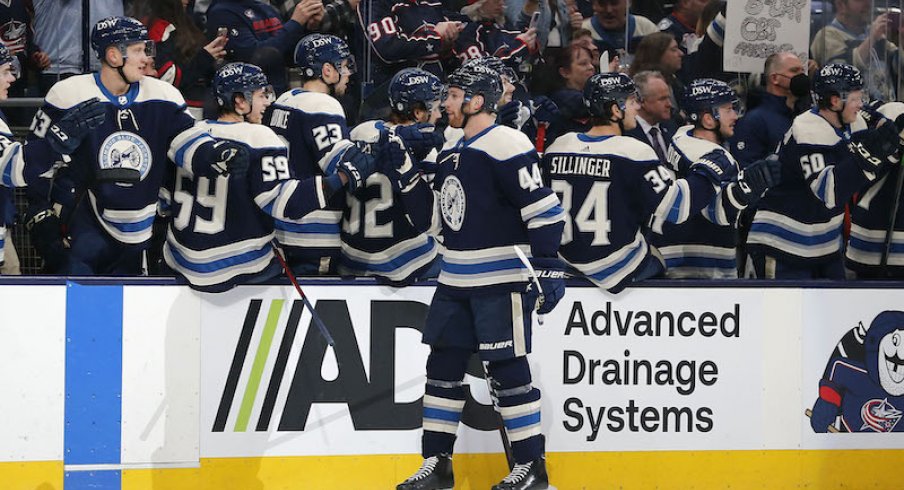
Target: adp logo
(370, 400)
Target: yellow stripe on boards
(32, 475)
(698, 470)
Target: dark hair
(187, 38)
(649, 53)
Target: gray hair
(642, 81)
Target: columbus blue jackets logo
(862, 388)
(123, 149)
(452, 202)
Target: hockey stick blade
(317, 321)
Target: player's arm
(419, 199)
(831, 179)
(195, 152)
(669, 200)
(744, 190)
(388, 39)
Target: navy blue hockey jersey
(311, 123)
(378, 239)
(800, 219)
(402, 34)
(870, 218)
(252, 24)
(143, 129)
(705, 246)
(487, 38)
(865, 405)
(222, 226)
(490, 198)
(614, 189)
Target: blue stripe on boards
(93, 406)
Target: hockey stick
(317, 321)
(500, 422)
(892, 217)
(831, 428)
(533, 276)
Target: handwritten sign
(755, 29)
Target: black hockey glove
(419, 139)
(753, 181)
(826, 408)
(46, 232)
(355, 165)
(66, 134)
(545, 110)
(510, 115)
(875, 149)
(230, 158)
(715, 166)
(551, 275)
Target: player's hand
(715, 166)
(510, 114)
(402, 171)
(875, 149)
(230, 158)
(545, 110)
(419, 139)
(754, 180)
(47, 237)
(551, 274)
(66, 134)
(355, 165)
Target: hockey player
(876, 242)
(377, 238)
(312, 121)
(489, 198)
(827, 155)
(615, 189)
(119, 168)
(222, 230)
(705, 247)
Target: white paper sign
(755, 29)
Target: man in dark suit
(654, 124)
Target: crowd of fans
(550, 48)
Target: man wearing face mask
(827, 156)
(758, 134)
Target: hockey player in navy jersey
(615, 189)
(489, 199)
(119, 168)
(312, 122)
(827, 156)
(705, 246)
(222, 229)
(875, 249)
(377, 238)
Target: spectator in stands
(655, 10)
(403, 34)
(851, 39)
(182, 57)
(583, 37)
(659, 52)
(60, 31)
(487, 35)
(574, 67)
(682, 23)
(609, 24)
(17, 34)
(339, 16)
(557, 23)
(258, 36)
(758, 134)
(654, 116)
(707, 61)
